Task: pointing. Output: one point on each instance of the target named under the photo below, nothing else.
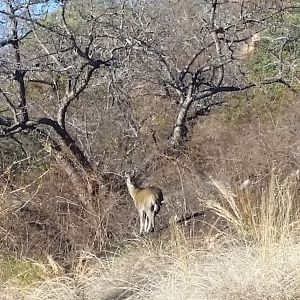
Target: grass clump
(263, 217)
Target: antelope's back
(146, 196)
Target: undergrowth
(256, 258)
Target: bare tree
(189, 49)
(194, 50)
(57, 54)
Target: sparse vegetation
(180, 93)
(255, 258)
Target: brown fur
(148, 201)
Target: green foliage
(277, 53)
(22, 270)
(77, 14)
(263, 102)
(24, 162)
(279, 49)
(261, 63)
(163, 121)
(10, 152)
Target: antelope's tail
(156, 208)
(157, 204)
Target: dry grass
(263, 217)
(239, 272)
(260, 260)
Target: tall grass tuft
(266, 217)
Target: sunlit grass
(258, 259)
(266, 217)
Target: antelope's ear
(129, 174)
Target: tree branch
(10, 105)
(11, 40)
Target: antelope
(147, 201)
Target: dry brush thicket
(89, 94)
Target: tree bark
(76, 166)
(180, 129)
(82, 188)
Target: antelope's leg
(149, 225)
(141, 213)
(146, 223)
(153, 220)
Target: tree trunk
(80, 183)
(81, 165)
(73, 161)
(180, 130)
(67, 145)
